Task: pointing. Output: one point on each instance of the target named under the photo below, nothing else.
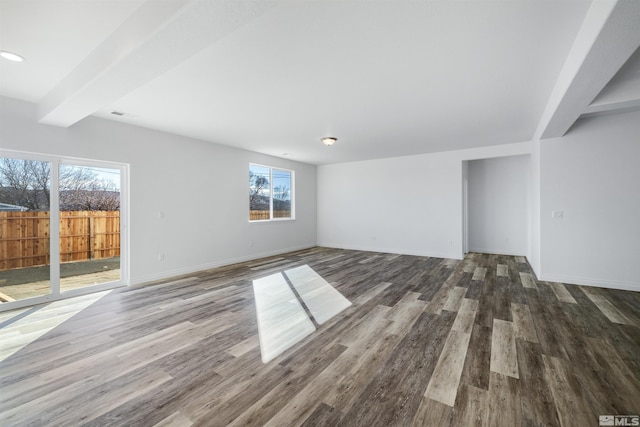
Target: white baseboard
(572, 280)
(214, 264)
(496, 252)
(390, 250)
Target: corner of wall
(533, 257)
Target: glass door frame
(54, 228)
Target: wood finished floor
(427, 342)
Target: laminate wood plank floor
(425, 342)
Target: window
(270, 193)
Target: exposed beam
(612, 107)
(622, 92)
(155, 38)
(609, 35)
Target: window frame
(292, 194)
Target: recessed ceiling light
(117, 113)
(286, 154)
(11, 56)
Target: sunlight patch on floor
(19, 328)
(282, 320)
(322, 299)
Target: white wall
(410, 205)
(202, 189)
(465, 206)
(592, 175)
(533, 255)
(499, 196)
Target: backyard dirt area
(34, 281)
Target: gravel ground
(41, 273)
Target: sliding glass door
(25, 220)
(61, 225)
(89, 202)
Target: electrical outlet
(557, 214)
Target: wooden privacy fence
(84, 235)
(258, 215)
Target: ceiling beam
(608, 37)
(155, 38)
(622, 92)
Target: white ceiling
(54, 37)
(386, 78)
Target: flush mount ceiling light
(11, 56)
(329, 140)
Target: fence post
(91, 236)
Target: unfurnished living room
(319, 213)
